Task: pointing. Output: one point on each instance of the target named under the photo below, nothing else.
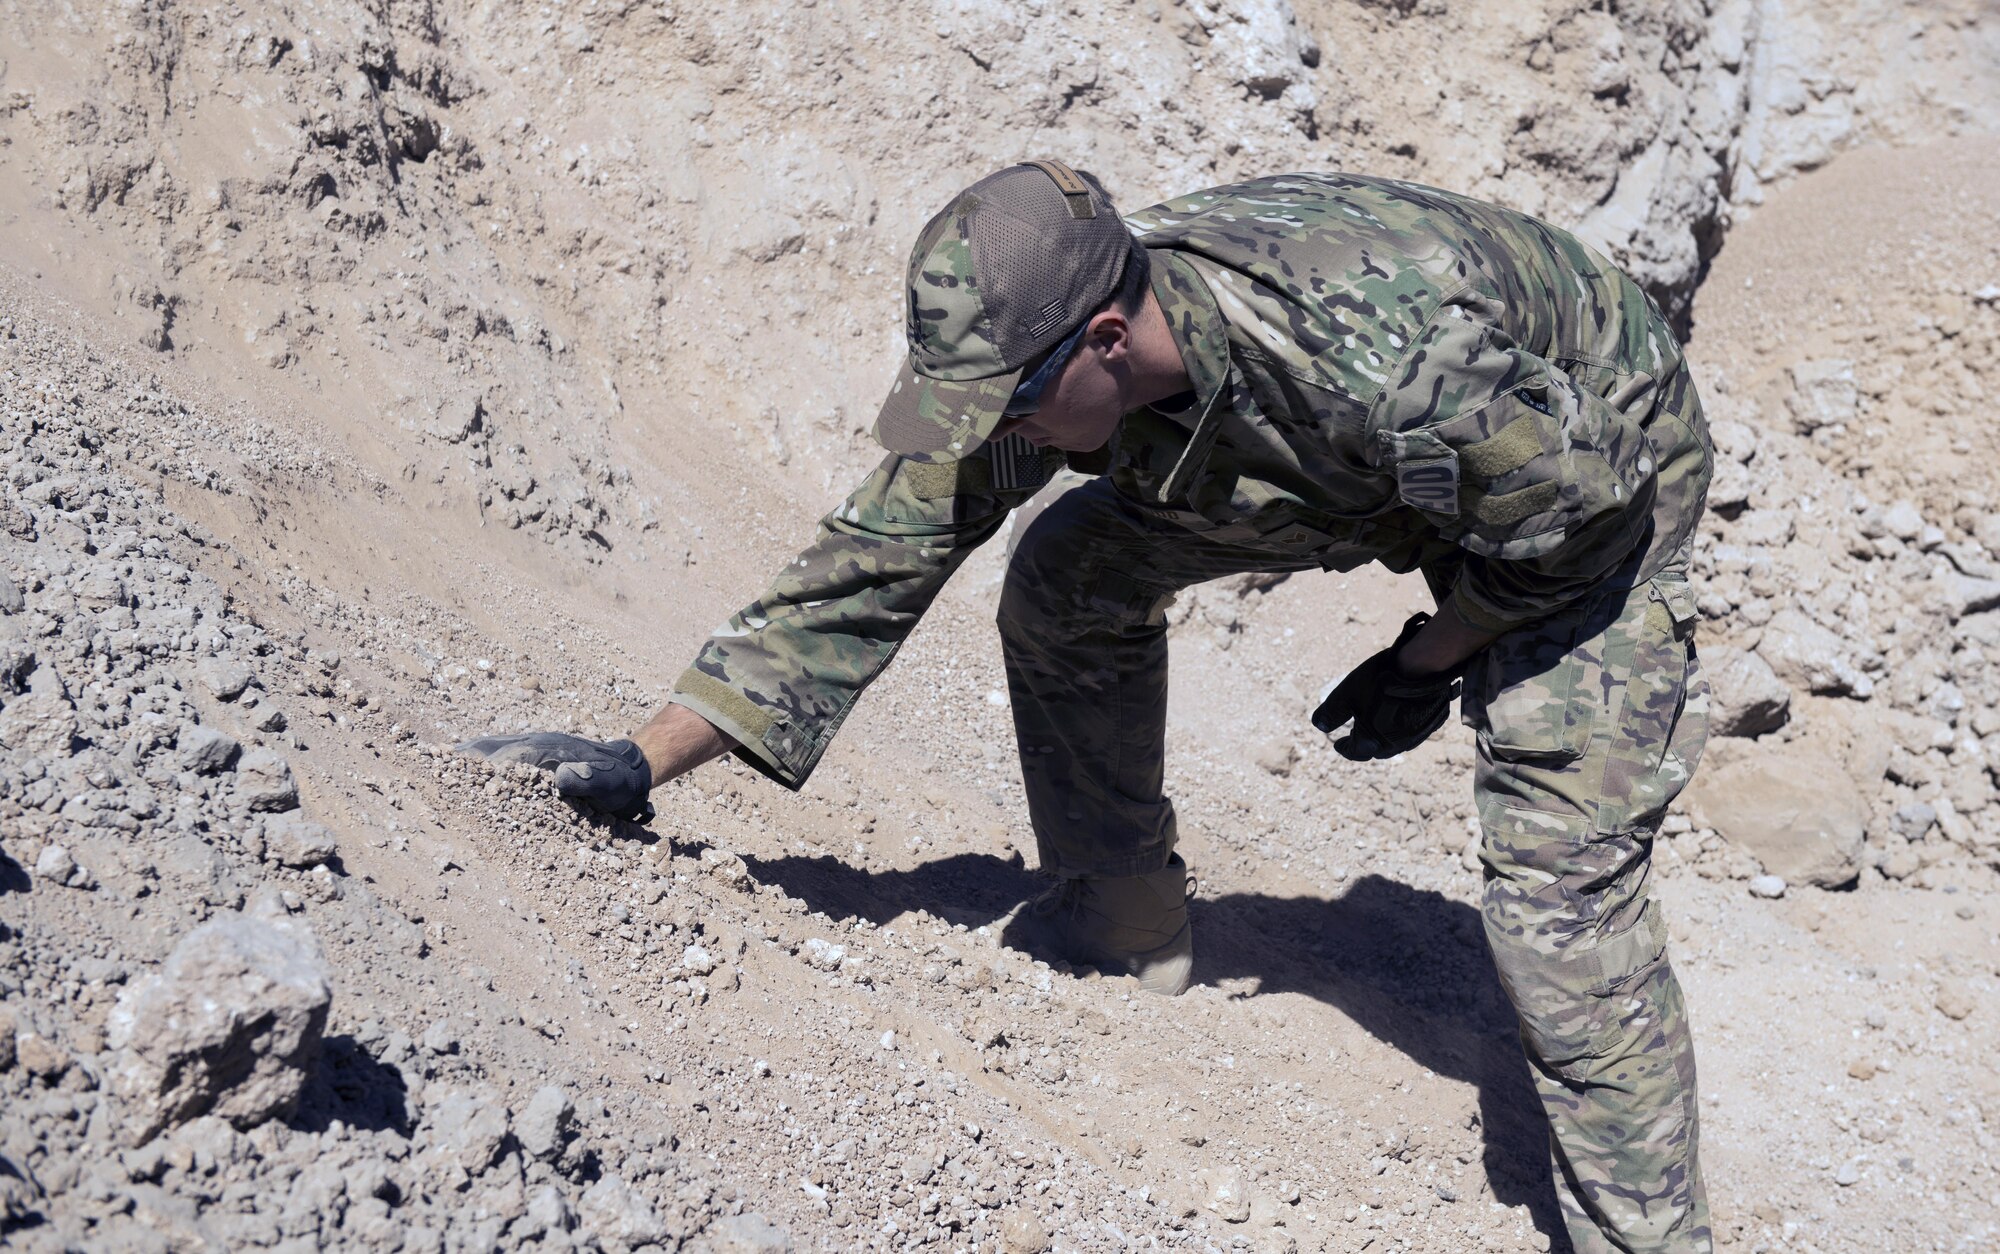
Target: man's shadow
(1410, 966)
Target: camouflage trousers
(1588, 724)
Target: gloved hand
(1392, 712)
(611, 778)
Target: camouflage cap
(1005, 271)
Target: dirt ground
(376, 376)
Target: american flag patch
(1016, 464)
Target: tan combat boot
(1133, 925)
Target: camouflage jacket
(1382, 372)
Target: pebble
(225, 678)
(697, 961)
(748, 1233)
(55, 865)
(1849, 1174)
(294, 842)
(205, 750)
(1954, 999)
(1767, 886)
(1861, 1069)
(544, 1122)
(466, 1127)
(1226, 1194)
(264, 781)
(823, 955)
(618, 1216)
(1023, 1232)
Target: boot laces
(1065, 897)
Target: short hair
(1133, 284)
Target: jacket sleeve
(1545, 484)
(781, 675)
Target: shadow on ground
(352, 1085)
(1410, 966)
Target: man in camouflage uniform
(1307, 371)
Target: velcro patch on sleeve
(1430, 485)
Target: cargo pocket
(1530, 694)
(1574, 1003)
(1125, 600)
(1663, 720)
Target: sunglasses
(1027, 398)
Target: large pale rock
(230, 1025)
(1797, 813)
(1746, 697)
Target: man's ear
(1112, 330)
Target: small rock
(292, 841)
(1746, 697)
(8, 1029)
(619, 1217)
(888, 1040)
(56, 865)
(11, 600)
(697, 961)
(1861, 1069)
(1954, 999)
(467, 1127)
(548, 1211)
(1823, 393)
(225, 678)
(1226, 1194)
(542, 1126)
(102, 589)
(1902, 863)
(1903, 521)
(39, 1056)
(205, 750)
(1023, 1232)
(1849, 1174)
(230, 1025)
(1771, 887)
(1800, 651)
(1914, 821)
(729, 868)
(441, 1038)
(1277, 755)
(749, 1233)
(264, 781)
(823, 955)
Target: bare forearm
(676, 740)
(1442, 643)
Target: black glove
(611, 778)
(1392, 712)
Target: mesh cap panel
(1007, 270)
